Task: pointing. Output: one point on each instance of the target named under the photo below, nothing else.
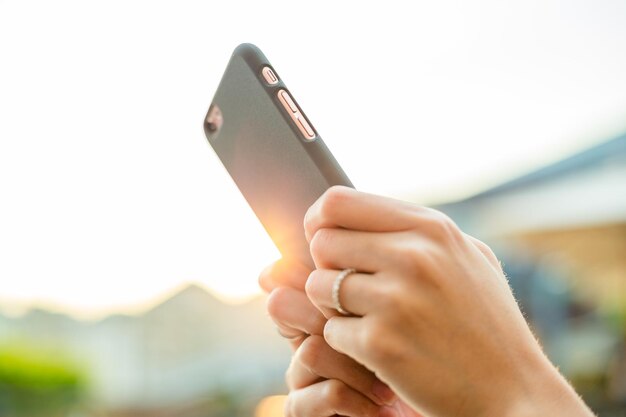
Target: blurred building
(561, 234)
(573, 210)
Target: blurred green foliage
(36, 381)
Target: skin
(319, 375)
(433, 319)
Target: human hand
(434, 316)
(322, 382)
(288, 306)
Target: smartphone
(270, 148)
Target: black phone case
(279, 173)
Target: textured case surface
(278, 172)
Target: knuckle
(371, 338)
(276, 302)
(421, 260)
(442, 227)
(264, 281)
(413, 254)
(334, 391)
(410, 255)
(310, 285)
(483, 246)
(320, 241)
(392, 296)
(378, 343)
(487, 251)
(326, 206)
(310, 351)
(332, 198)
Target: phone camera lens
(214, 119)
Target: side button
(269, 75)
(296, 116)
(283, 96)
(305, 127)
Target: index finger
(350, 209)
(284, 273)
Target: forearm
(548, 394)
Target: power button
(269, 75)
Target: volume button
(296, 116)
(287, 101)
(304, 126)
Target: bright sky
(110, 195)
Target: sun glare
(112, 198)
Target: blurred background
(128, 259)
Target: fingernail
(387, 412)
(383, 392)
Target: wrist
(547, 394)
